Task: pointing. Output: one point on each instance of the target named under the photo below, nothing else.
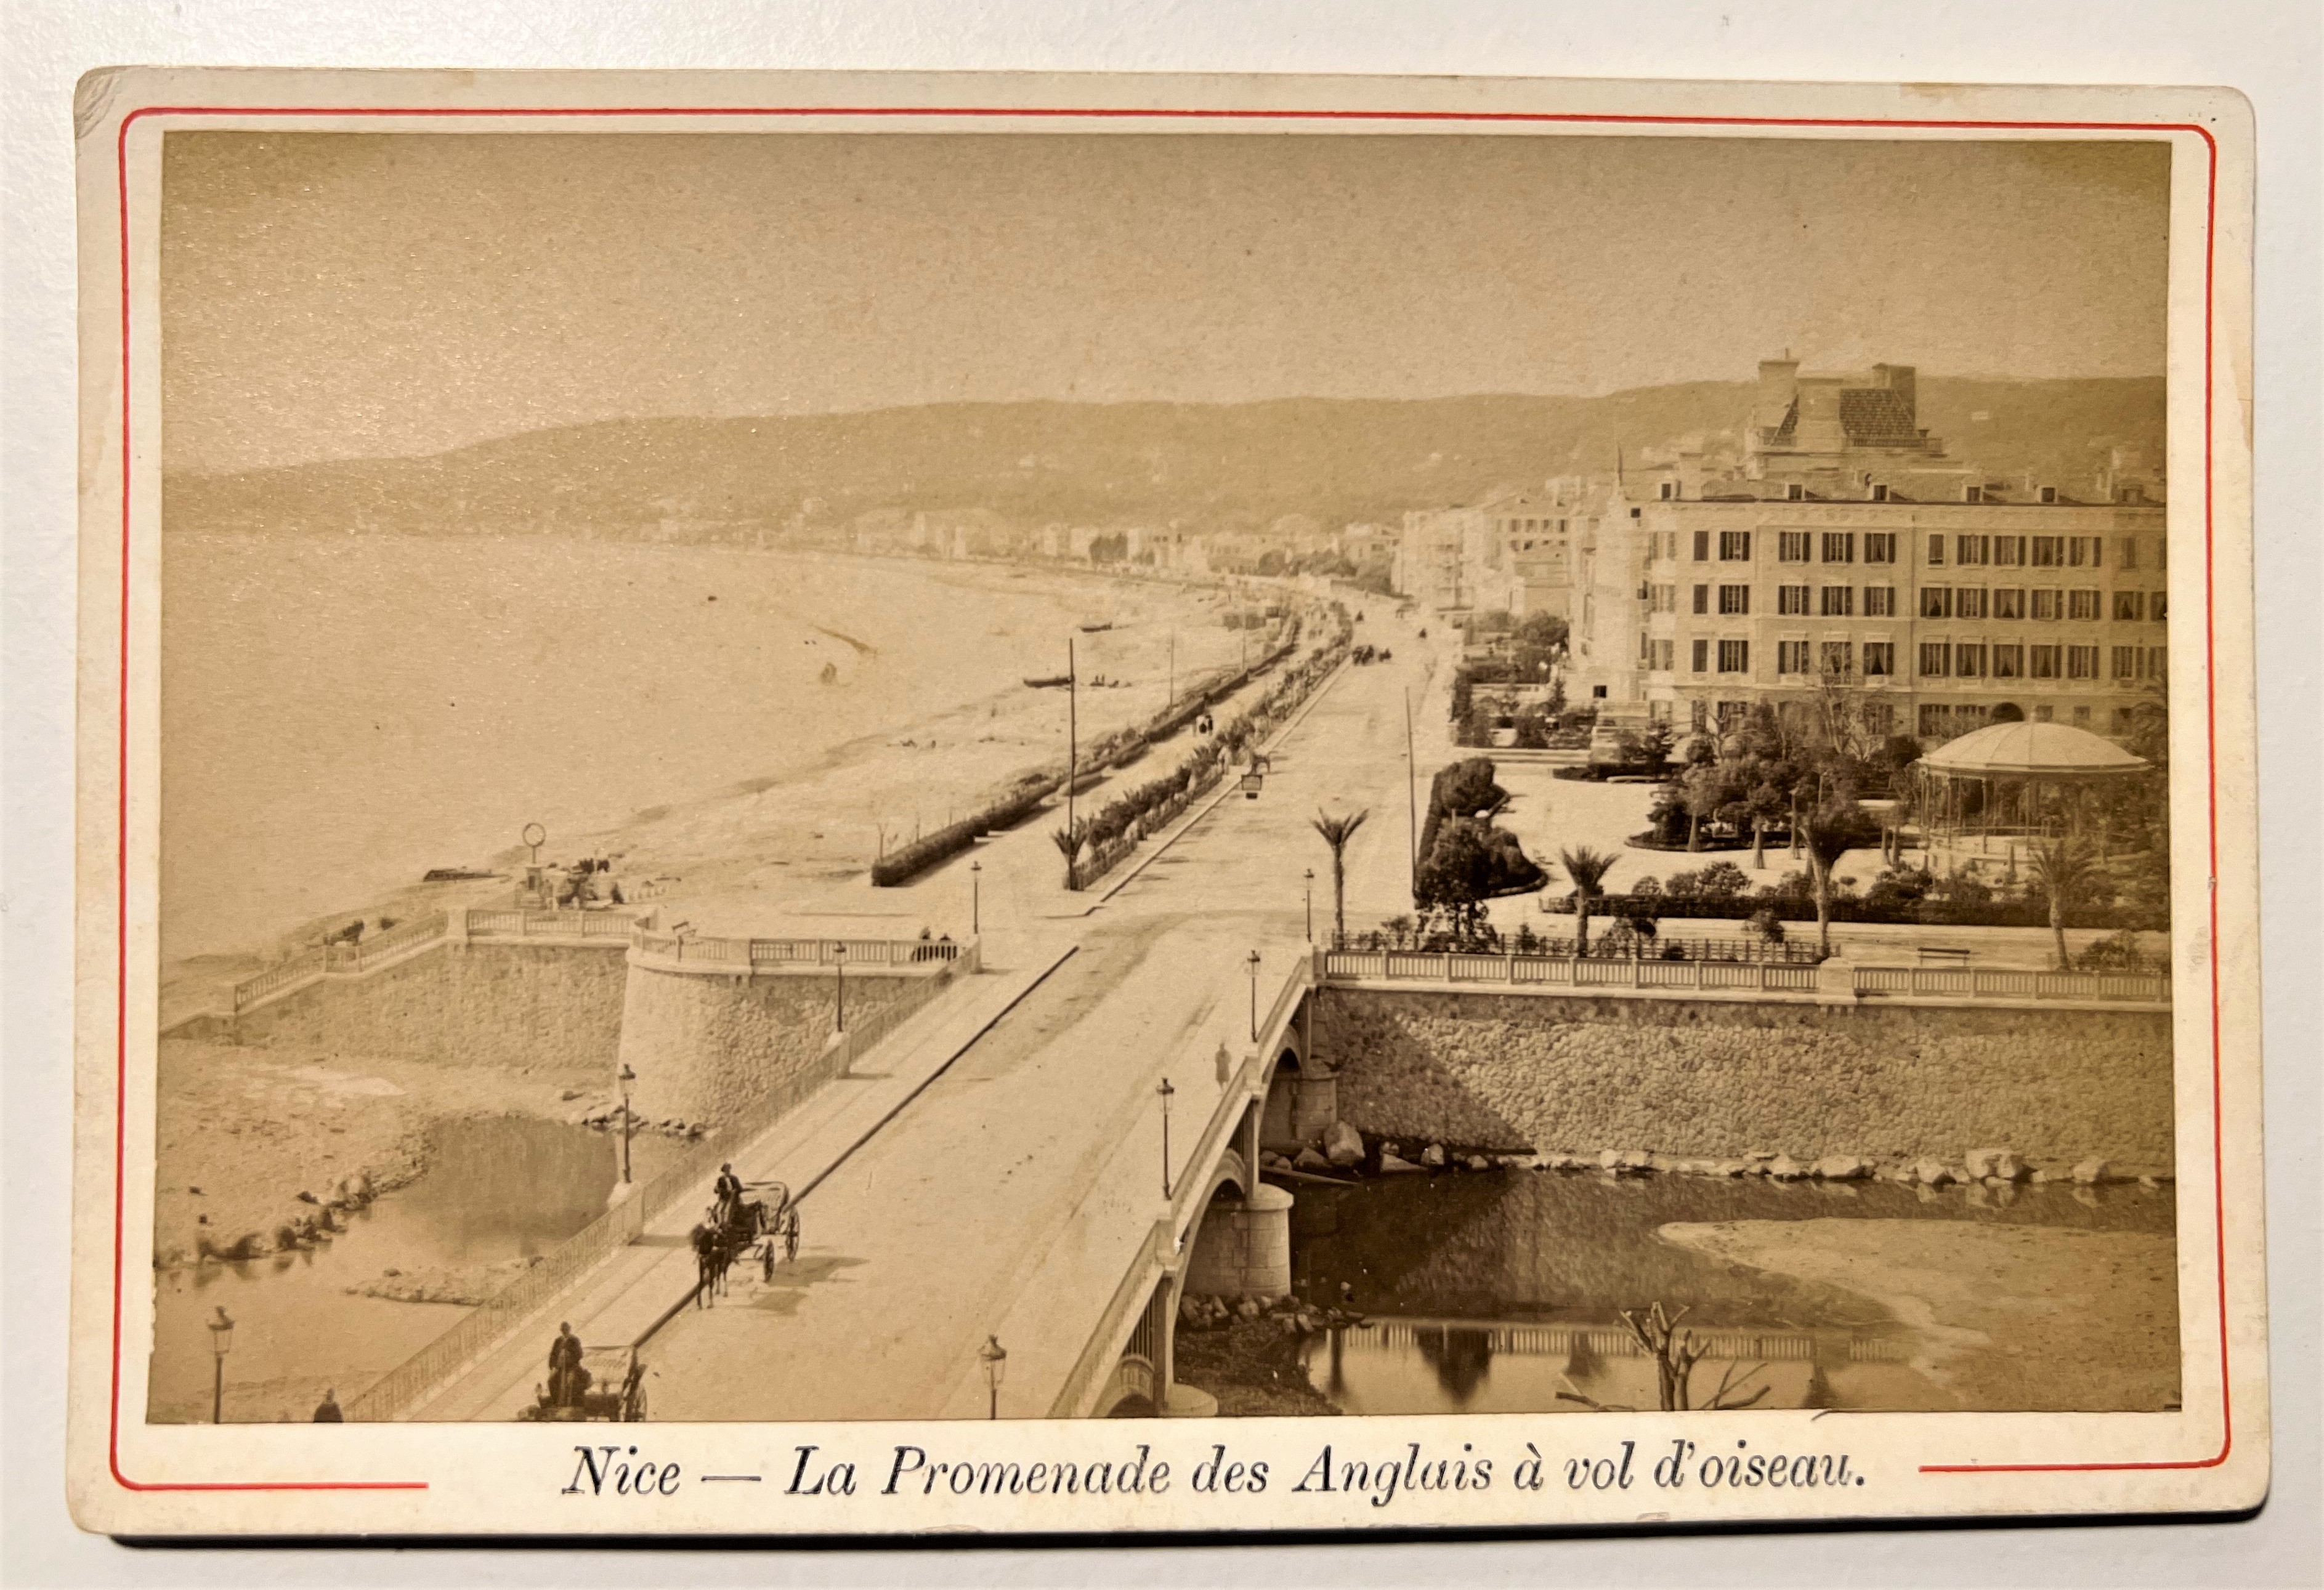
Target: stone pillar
(1314, 1106)
(1835, 981)
(1244, 1249)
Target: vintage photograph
(896, 775)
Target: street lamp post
(1310, 875)
(1254, 964)
(628, 1077)
(221, 1343)
(976, 896)
(839, 970)
(1166, 1092)
(996, 1365)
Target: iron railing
(1761, 977)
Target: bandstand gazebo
(2017, 781)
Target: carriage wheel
(767, 1260)
(790, 1236)
(637, 1410)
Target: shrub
(1723, 880)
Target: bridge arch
(1303, 1092)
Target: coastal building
(1848, 549)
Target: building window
(2008, 551)
(1936, 722)
(2047, 607)
(1879, 718)
(1794, 492)
(1936, 552)
(1880, 602)
(1966, 718)
(2082, 551)
(1879, 545)
(2130, 606)
(2009, 662)
(2044, 712)
(2048, 552)
(1734, 546)
(1969, 601)
(1838, 602)
(1703, 656)
(1665, 599)
(2155, 607)
(2122, 721)
(2157, 669)
(1968, 660)
(1879, 658)
(1735, 656)
(1839, 547)
(2008, 603)
(1734, 599)
(1936, 658)
(1792, 601)
(2081, 717)
(1662, 657)
(2081, 662)
(2126, 659)
(1702, 598)
(2045, 663)
(1972, 493)
(1698, 712)
(1972, 549)
(1838, 658)
(1791, 546)
(2126, 552)
(1703, 547)
(2082, 604)
(1880, 491)
(1790, 657)
(1936, 602)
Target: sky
(350, 295)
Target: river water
(1492, 1293)
(497, 1188)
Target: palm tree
(1337, 832)
(1068, 840)
(1587, 867)
(2064, 868)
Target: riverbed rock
(1841, 1167)
(1309, 1160)
(1343, 1144)
(2090, 1172)
(1996, 1163)
(1477, 1162)
(1432, 1156)
(1931, 1172)
(1390, 1165)
(1784, 1168)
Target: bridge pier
(1243, 1249)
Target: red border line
(121, 892)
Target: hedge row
(1794, 906)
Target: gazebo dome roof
(2032, 750)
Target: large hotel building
(1843, 543)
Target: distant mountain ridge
(1024, 464)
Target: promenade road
(1010, 1195)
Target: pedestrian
(565, 1375)
(326, 1411)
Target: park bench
(1942, 955)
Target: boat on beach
(1049, 681)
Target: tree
(1337, 832)
(1703, 789)
(1069, 842)
(1464, 789)
(1828, 830)
(2063, 869)
(1587, 866)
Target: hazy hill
(1026, 464)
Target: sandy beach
(2010, 1317)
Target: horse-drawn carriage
(743, 1227)
(608, 1382)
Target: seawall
(1719, 1080)
(543, 1007)
(708, 1047)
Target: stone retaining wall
(704, 1047)
(517, 1006)
(1721, 1080)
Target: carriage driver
(729, 1190)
